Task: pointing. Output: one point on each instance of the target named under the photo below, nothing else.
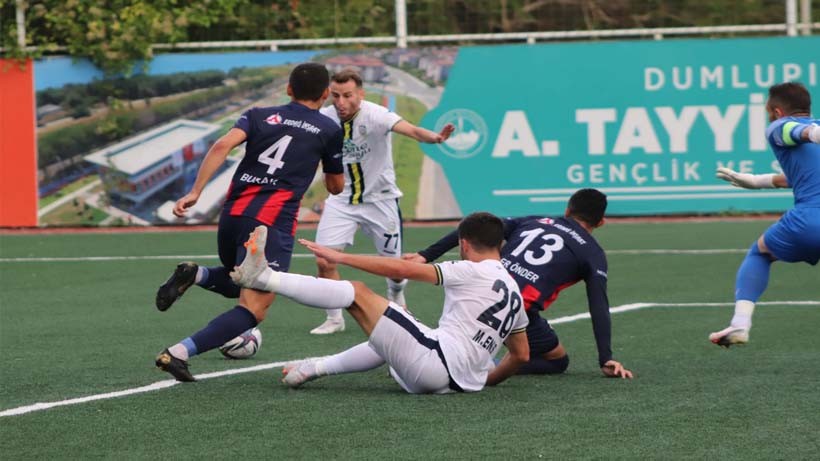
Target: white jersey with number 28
(482, 307)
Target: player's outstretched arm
(210, 164)
(436, 250)
(422, 134)
(518, 353)
(752, 181)
(378, 265)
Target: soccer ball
(243, 346)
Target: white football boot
(254, 264)
(330, 326)
(730, 336)
(297, 373)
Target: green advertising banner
(646, 122)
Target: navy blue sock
(753, 275)
(216, 279)
(222, 329)
(540, 366)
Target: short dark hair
(483, 230)
(346, 75)
(792, 97)
(588, 205)
(308, 81)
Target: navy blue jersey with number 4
(283, 149)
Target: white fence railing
(797, 21)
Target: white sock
(358, 358)
(179, 351)
(334, 314)
(201, 273)
(308, 290)
(395, 287)
(743, 314)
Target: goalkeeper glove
(814, 134)
(745, 180)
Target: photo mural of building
(371, 68)
(139, 167)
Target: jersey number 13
(554, 243)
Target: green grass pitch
(72, 329)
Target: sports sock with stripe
(216, 279)
(220, 330)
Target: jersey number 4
(272, 157)
(513, 300)
(554, 243)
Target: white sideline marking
(267, 366)
(660, 251)
(638, 306)
(136, 390)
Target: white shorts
(381, 221)
(413, 354)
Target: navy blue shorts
(541, 336)
(234, 232)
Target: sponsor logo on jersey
(353, 152)
(546, 221)
(274, 119)
(469, 137)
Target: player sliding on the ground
(543, 256)
(795, 237)
(482, 309)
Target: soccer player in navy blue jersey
(794, 137)
(283, 148)
(544, 256)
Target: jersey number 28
(512, 299)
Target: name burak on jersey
(249, 178)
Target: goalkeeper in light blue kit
(795, 237)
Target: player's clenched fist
(182, 205)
